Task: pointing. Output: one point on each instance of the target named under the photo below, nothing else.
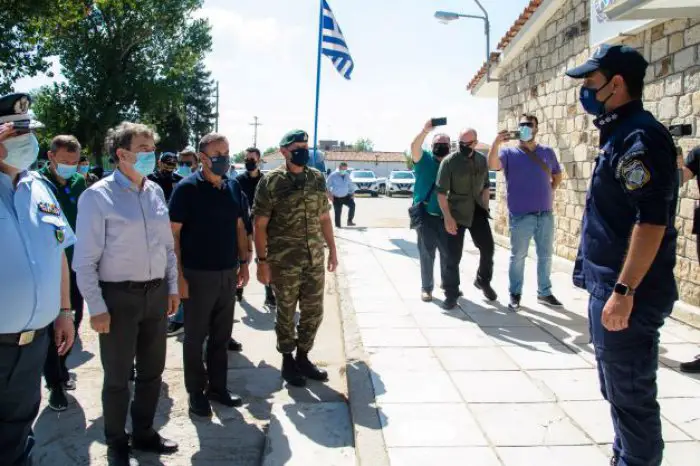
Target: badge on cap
(635, 175)
(49, 208)
(21, 105)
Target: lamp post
(447, 16)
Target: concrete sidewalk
(276, 426)
(481, 385)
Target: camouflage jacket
(294, 204)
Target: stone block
(695, 99)
(657, 33)
(685, 59)
(675, 25)
(685, 106)
(570, 125)
(691, 249)
(654, 91)
(659, 49)
(551, 31)
(662, 68)
(578, 213)
(675, 42)
(692, 36)
(561, 98)
(687, 209)
(668, 108)
(581, 122)
(674, 85)
(580, 153)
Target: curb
(682, 312)
(370, 445)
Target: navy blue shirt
(209, 218)
(635, 180)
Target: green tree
(363, 145)
(270, 150)
(128, 60)
(409, 160)
(26, 28)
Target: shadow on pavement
(257, 319)
(78, 356)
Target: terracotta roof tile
(482, 71)
(507, 38)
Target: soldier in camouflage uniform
(292, 221)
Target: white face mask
(22, 151)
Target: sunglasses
(529, 124)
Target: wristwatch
(65, 312)
(260, 260)
(624, 290)
(243, 262)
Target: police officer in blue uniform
(628, 247)
(34, 277)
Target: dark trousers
(431, 237)
(20, 396)
(480, 231)
(138, 329)
(338, 203)
(627, 365)
(55, 370)
(208, 313)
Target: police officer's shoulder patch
(634, 174)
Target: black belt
(134, 286)
(21, 338)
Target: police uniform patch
(60, 235)
(49, 208)
(635, 175)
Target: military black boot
(290, 371)
(309, 369)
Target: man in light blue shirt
(127, 270)
(341, 191)
(35, 280)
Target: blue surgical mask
(66, 171)
(589, 102)
(22, 151)
(145, 162)
(526, 134)
(83, 169)
(184, 170)
(343, 172)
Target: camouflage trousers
(303, 283)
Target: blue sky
(408, 68)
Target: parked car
(365, 182)
(492, 184)
(400, 182)
(381, 184)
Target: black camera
(678, 131)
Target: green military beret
(291, 137)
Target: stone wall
(535, 83)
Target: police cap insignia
(635, 175)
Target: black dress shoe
(69, 385)
(309, 369)
(225, 398)
(154, 444)
(450, 302)
(691, 367)
(485, 288)
(233, 345)
(199, 405)
(57, 399)
(290, 371)
(120, 455)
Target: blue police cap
(613, 60)
(15, 108)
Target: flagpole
(318, 74)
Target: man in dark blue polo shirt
(209, 217)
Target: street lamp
(447, 16)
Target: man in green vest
(69, 184)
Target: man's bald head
(468, 136)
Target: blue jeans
(432, 237)
(627, 363)
(523, 228)
(179, 316)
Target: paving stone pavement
(483, 386)
(234, 436)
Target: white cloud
(259, 33)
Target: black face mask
(251, 165)
(299, 157)
(465, 149)
(441, 149)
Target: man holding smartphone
(532, 175)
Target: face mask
(145, 162)
(590, 103)
(66, 171)
(221, 165)
(526, 134)
(300, 157)
(184, 170)
(22, 151)
(83, 169)
(465, 148)
(441, 149)
(343, 172)
(251, 165)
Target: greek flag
(334, 46)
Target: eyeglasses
(469, 143)
(529, 124)
(185, 164)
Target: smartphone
(678, 131)
(511, 135)
(438, 122)
(21, 127)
